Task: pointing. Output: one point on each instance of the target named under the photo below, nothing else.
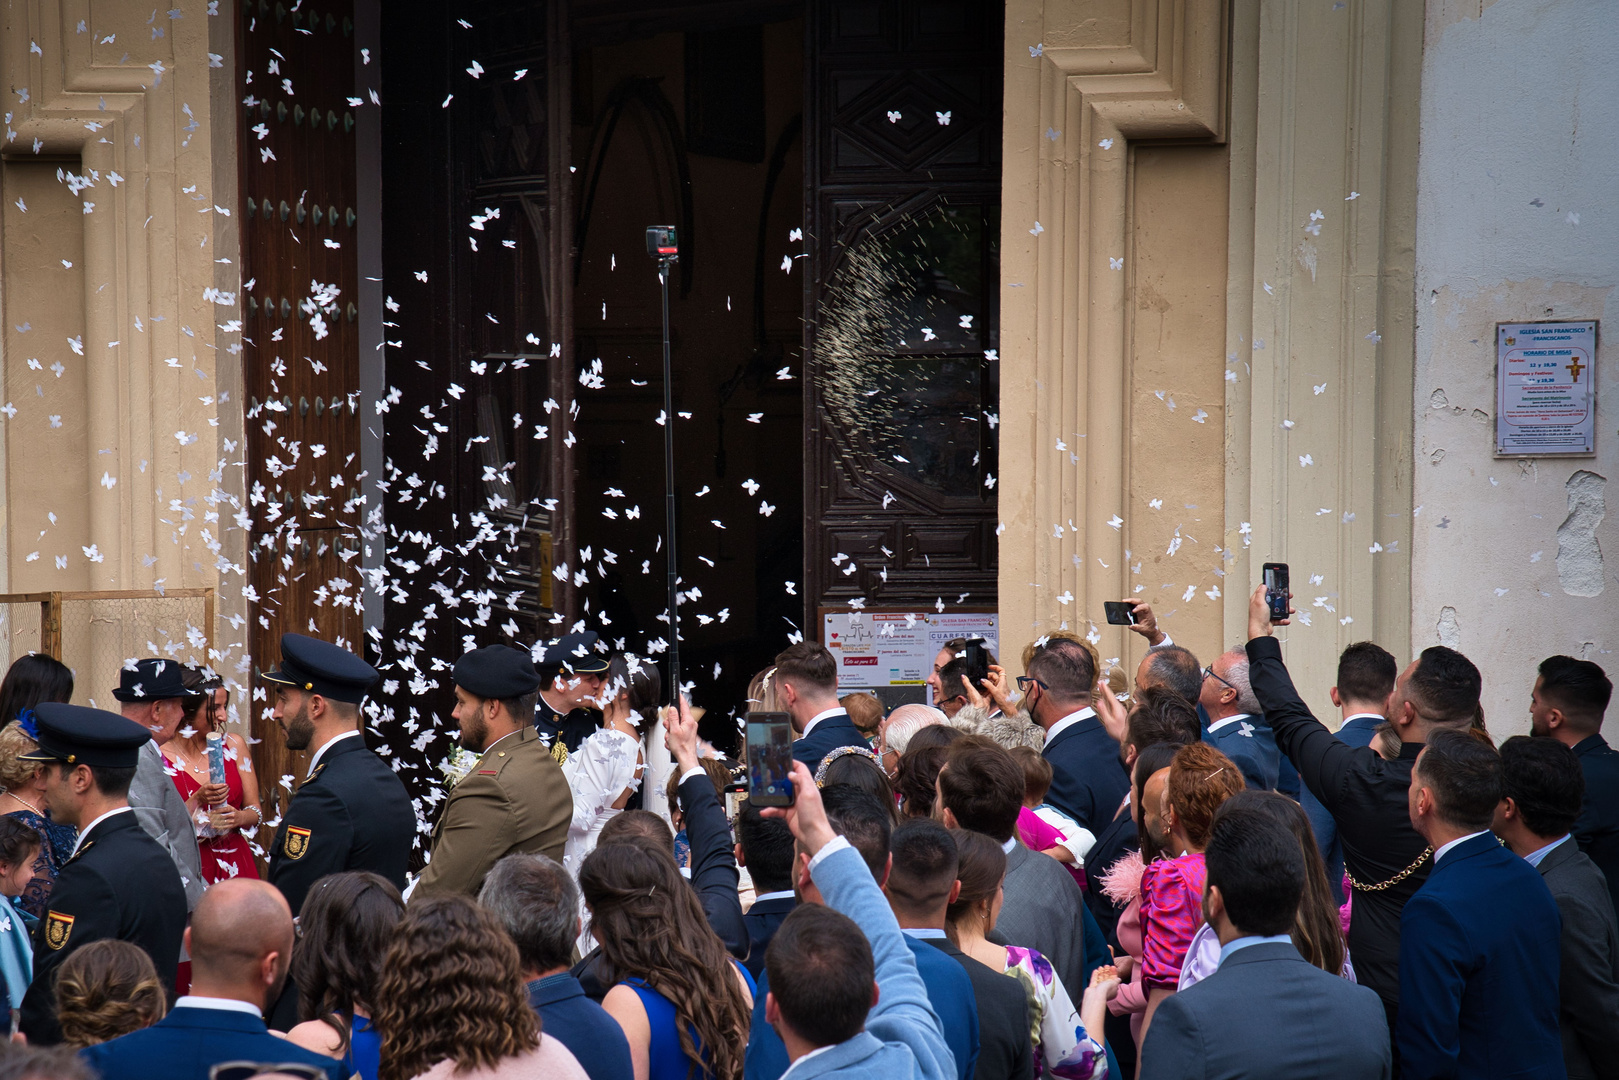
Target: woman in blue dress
(683, 1003)
(345, 927)
(32, 679)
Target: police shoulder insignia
(316, 774)
(297, 843)
(57, 928)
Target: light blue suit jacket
(903, 1036)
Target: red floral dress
(224, 856)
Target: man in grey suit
(981, 790)
(151, 693)
(1545, 789)
(1265, 1013)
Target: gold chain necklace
(1395, 880)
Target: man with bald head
(240, 940)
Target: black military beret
(81, 736)
(320, 667)
(497, 671)
(576, 653)
(152, 679)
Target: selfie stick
(663, 245)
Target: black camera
(661, 242)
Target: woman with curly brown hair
(107, 989)
(347, 922)
(683, 1003)
(451, 1002)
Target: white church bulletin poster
(1545, 389)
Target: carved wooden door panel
(300, 275)
(903, 224)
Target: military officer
(571, 673)
(351, 812)
(516, 798)
(119, 882)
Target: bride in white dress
(606, 769)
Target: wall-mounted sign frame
(1545, 389)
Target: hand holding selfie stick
(663, 245)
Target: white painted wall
(1517, 221)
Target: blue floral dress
(1060, 1041)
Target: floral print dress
(1062, 1047)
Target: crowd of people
(1068, 873)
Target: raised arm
(713, 851)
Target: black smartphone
(770, 759)
(1277, 590)
(1119, 613)
(977, 660)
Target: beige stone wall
(119, 358)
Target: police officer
(119, 882)
(351, 812)
(516, 798)
(571, 672)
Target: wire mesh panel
(20, 629)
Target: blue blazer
(1597, 828)
(835, 731)
(1479, 970)
(1249, 742)
(581, 1025)
(188, 1042)
(763, 919)
(1088, 781)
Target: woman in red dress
(220, 811)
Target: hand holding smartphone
(770, 759)
(1119, 613)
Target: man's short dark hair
(953, 680)
(1256, 863)
(1445, 686)
(925, 862)
(1066, 670)
(767, 845)
(982, 786)
(1544, 779)
(808, 665)
(521, 708)
(1579, 688)
(1161, 715)
(535, 899)
(821, 973)
(1177, 669)
(111, 783)
(1464, 774)
(1366, 673)
(866, 823)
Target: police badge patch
(57, 928)
(297, 843)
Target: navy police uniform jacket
(121, 884)
(352, 814)
(556, 730)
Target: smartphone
(977, 660)
(1119, 613)
(1277, 590)
(770, 759)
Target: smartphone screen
(1119, 613)
(977, 658)
(1276, 590)
(770, 759)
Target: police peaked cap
(81, 736)
(576, 653)
(497, 671)
(319, 667)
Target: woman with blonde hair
(106, 989)
(451, 1002)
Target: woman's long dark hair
(32, 679)
(1148, 761)
(638, 678)
(348, 919)
(916, 777)
(981, 867)
(651, 927)
(1318, 933)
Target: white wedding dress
(604, 766)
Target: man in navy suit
(1235, 728)
(1088, 780)
(536, 901)
(1266, 1013)
(807, 685)
(240, 941)
(1366, 674)
(1567, 704)
(765, 847)
(1479, 941)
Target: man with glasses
(1088, 780)
(1235, 727)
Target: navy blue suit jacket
(950, 992)
(188, 1042)
(1088, 781)
(763, 919)
(1357, 732)
(1479, 969)
(1249, 742)
(1597, 829)
(581, 1025)
(826, 736)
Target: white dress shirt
(817, 718)
(193, 1001)
(1444, 848)
(1067, 722)
(1232, 719)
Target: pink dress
(1171, 912)
(1122, 884)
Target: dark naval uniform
(564, 731)
(119, 884)
(567, 657)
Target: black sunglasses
(1023, 682)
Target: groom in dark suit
(1088, 781)
(1479, 941)
(806, 681)
(1266, 1013)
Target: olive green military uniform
(515, 800)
